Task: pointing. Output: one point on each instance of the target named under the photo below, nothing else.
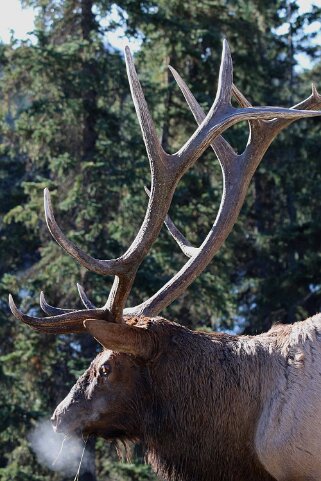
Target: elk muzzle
(68, 415)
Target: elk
(205, 406)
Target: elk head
(116, 395)
(108, 398)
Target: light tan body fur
(288, 436)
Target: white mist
(56, 453)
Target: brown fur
(195, 405)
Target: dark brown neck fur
(206, 406)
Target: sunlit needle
(60, 450)
(82, 455)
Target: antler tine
(242, 101)
(53, 311)
(315, 92)
(103, 267)
(84, 299)
(50, 310)
(219, 145)
(311, 102)
(225, 79)
(187, 248)
(154, 148)
(71, 322)
(241, 168)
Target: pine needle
(82, 456)
(60, 450)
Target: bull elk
(205, 406)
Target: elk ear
(123, 338)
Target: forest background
(67, 122)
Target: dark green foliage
(67, 122)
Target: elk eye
(105, 370)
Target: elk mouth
(111, 435)
(74, 428)
(69, 425)
(71, 430)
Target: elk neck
(208, 392)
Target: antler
(237, 171)
(166, 171)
